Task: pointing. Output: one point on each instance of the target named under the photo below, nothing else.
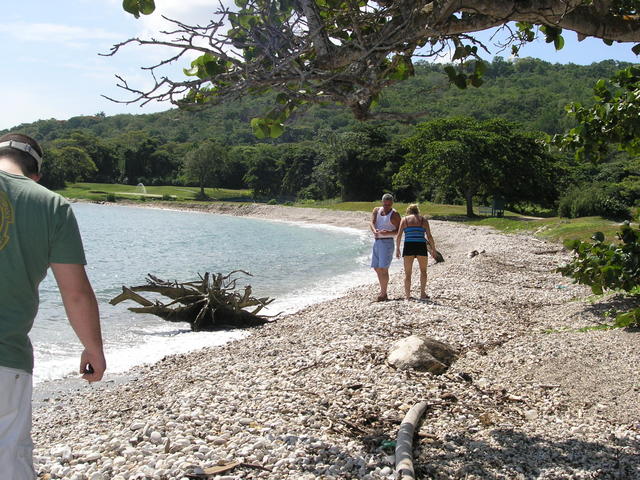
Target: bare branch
(313, 53)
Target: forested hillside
(530, 91)
(326, 153)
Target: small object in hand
(88, 368)
(438, 257)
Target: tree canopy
(205, 164)
(347, 52)
(493, 158)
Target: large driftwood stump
(211, 303)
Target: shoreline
(306, 215)
(49, 389)
(311, 396)
(46, 390)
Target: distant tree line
(468, 147)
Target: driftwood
(211, 303)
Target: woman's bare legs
(408, 268)
(422, 262)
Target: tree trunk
(469, 199)
(211, 303)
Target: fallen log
(211, 303)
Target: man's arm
(399, 237)
(395, 220)
(372, 224)
(82, 310)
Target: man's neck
(8, 166)
(386, 210)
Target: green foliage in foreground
(609, 266)
(614, 120)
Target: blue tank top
(414, 234)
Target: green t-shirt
(37, 227)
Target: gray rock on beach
(424, 354)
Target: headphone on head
(23, 147)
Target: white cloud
(55, 33)
(191, 12)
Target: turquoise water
(295, 263)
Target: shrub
(111, 197)
(273, 201)
(592, 200)
(167, 198)
(604, 266)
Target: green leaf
(131, 6)
(476, 81)
(403, 68)
(522, 26)
(558, 42)
(136, 7)
(480, 67)
(596, 289)
(460, 52)
(571, 244)
(260, 130)
(461, 81)
(276, 130)
(206, 66)
(451, 72)
(147, 7)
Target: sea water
(298, 264)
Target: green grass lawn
(428, 208)
(552, 228)
(99, 191)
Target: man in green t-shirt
(37, 230)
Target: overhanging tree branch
(347, 52)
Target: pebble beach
(311, 396)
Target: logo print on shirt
(6, 219)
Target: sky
(51, 67)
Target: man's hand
(82, 311)
(397, 253)
(97, 362)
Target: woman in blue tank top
(417, 239)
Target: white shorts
(16, 447)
